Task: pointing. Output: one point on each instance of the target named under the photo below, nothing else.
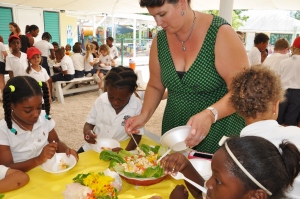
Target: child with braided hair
(27, 135)
(111, 110)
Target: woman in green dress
(195, 57)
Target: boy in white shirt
(261, 42)
(78, 61)
(281, 49)
(113, 49)
(16, 61)
(67, 69)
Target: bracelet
(214, 112)
(210, 113)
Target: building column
(226, 8)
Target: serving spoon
(180, 176)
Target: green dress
(200, 87)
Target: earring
(182, 13)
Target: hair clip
(40, 83)
(48, 116)
(13, 130)
(12, 88)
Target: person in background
(289, 73)
(15, 30)
(106, 62)
(11, 179)
(256, 94)
(281, 50)
(47, 50)
(96, 49)
(264, 55)
(78, 61)
(67, 69)
(27, 135)
(197, 96)
(16, 61)
(3, 55)
(55, 46)
(113, 49)
(34, 69)
(89, 62)
(261, 42)
(68, 50)
(268, 174)
(111, 110)
(31, 32)
(241, 36)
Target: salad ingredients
(62, 165)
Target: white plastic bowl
(105, 143)
(175, 137)
(53, 165)
(203, 166)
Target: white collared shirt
(105, 59)
(3, 170)
(114, 52)
(17, 65)
(26, 144)
(289, 72)
(67, 64)
(41, 75)
(273, 61)
(107, 123)
(275, 133)
(254, 56)
(78, 61)
(45, 47)
(87, 65)
(2, 49)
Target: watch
(214, 111)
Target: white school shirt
(2, 48)
(254, 56)
(67, 64)
(107, 123)
(44, 46)
(78, 61)
(17, 65)
(114, 51)
(275, 133)
(3, 170)
(105, 59)
(273, 61)
(289, 72)
(42, 75)
(26, 144)
(87, 65)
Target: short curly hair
(255, 90)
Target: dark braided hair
(121, 77)
(19, 89)
(46, 35)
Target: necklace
(26, 129)
(192, 28)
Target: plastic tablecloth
(45, 185)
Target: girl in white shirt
(256, 94)
(27, 134)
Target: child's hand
(179, 192)
(90, 137)
(72, 152)
(48, 151)
(174, 162)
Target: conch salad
(141, 165)
(62, 165)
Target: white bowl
(102, 65)
(105, 143)
(53, 165)
(203, 166)
(175, 137)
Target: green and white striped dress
(200, 87)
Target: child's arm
(131, 145)
(113, 63)
(61, 146)
(88, 133)
(14, 179)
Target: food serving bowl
(203, 167)
(59, 164)
(175, 138)
(143, 181)
(105, 143)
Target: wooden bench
(70, 88)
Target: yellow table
(44, 185)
